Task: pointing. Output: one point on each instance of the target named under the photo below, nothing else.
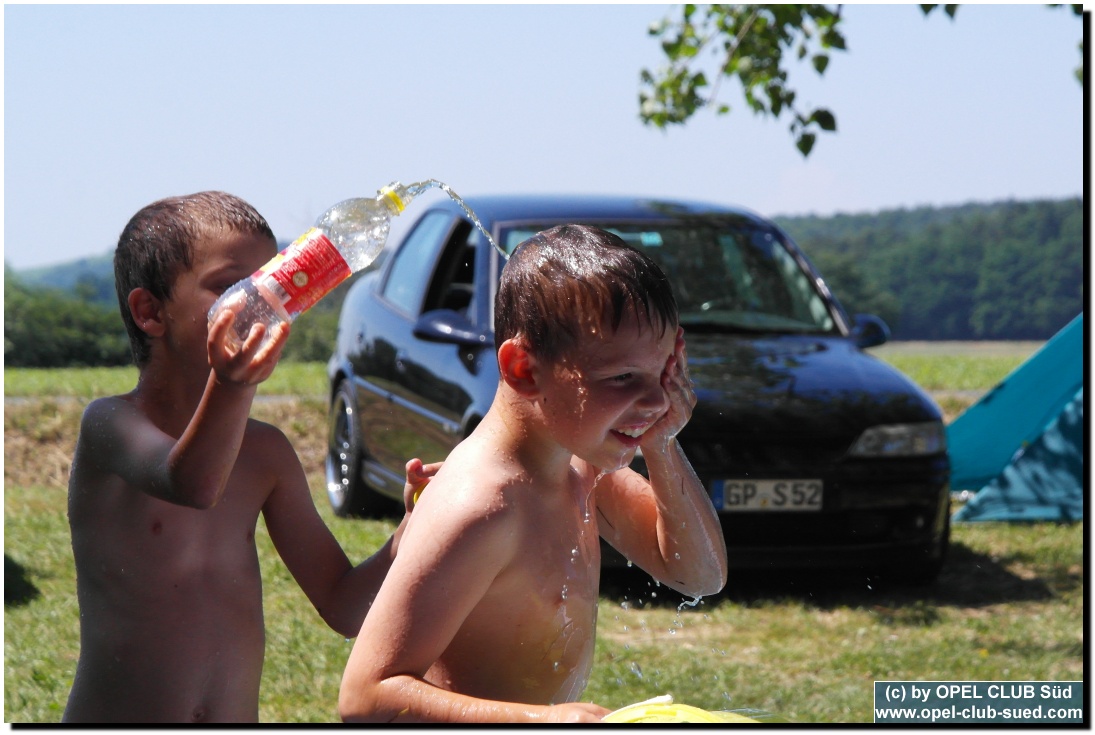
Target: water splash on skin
(587, 506)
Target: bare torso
(171, 626)
(530, 638)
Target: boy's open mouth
(631, 435)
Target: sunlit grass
(954, 372)
(290, 378)
(1009, 604)
(954, 366)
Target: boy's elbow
(200, 494)
(204, 499)
(341, 624)
(354, 703)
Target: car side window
(453, 283)
(406, 284)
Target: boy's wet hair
(158, 244)
(563, 283)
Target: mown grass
(956, 366)
(290, 379)
(1009, 604)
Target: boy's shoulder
(104, 411)
(477, 472)
(268, 442)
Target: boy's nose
(654, 398)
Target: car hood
(804, 385)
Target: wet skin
(489, 611)
(165, 491)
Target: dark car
(814, 452)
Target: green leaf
(821, 62)
(832, 38)
(824, 119)
(805, 143)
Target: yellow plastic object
(418, 492)
(663, 709)
(393, 197)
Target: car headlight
(901, 440)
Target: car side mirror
(869, 331)
(446, 325)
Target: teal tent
(1022, 445)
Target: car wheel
(347, 491)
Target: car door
(427, 382)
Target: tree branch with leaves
(749, 43)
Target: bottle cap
(392, 196)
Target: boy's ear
(517, 367)
(147, 312)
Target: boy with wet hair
(489, 612)
(168, 481)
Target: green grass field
(1009, 604)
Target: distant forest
(1011, 270)
(1004, 271)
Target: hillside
(998, 271)
(1007, 270)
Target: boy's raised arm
(193, 469)
(666, 525)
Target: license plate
(766, 495)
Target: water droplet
(636, 669)
(690, 603)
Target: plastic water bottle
(346, 238)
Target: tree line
(1004, 271)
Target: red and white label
(305, 272)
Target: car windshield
(728, 273)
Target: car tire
(346, 489)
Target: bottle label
(305, 272)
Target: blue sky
(295, 107)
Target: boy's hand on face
(682, 399)
(253, 362)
